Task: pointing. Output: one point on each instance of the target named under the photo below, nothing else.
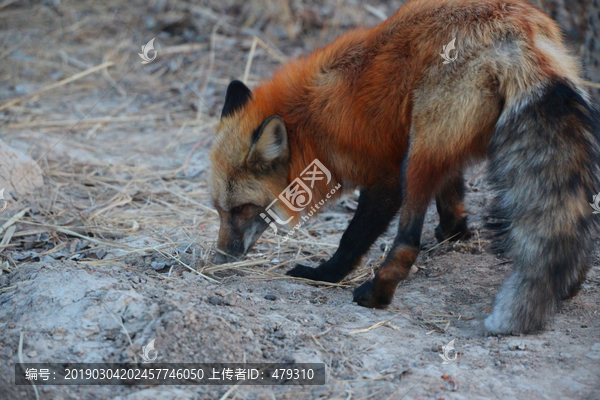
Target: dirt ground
(115, 248)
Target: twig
(185, 265)
(591, 84)
(206, 208)
(7, 3)
(377, 325)
(57, 84)
(7, 237)
(278, 57)
(250, 58)
(101, 120)
(6, 289)
(182, 48)
(13, 219)
(227, 393)
(376, 12)
(211, 64)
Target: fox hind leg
(438, 150)
(421, 179)
(379, 292)
(576, 287)
(450, 207)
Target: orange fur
(352, 104)
(382, 111)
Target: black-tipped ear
(237, 95)
(269, 143)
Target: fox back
(391, 111)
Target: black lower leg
(449, 203)
(379, 292)
(376, 208)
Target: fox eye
(238, 209)
(242, 208)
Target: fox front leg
(377, 206)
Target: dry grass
(85, 111)
(123, 146)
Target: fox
(384, 113)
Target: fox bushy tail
(545, 167)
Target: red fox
(384, 112)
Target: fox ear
(237, 95)
(269, 143)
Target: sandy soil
(108, 254)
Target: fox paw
(301, 271)
(365, 296)
(460, 231)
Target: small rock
(215, 301)
(47, 258)
(22, 89)
(594, 354)
(515, 345)
(56, 75)
(87, 328)
(186, 248)
(231, 299)
(490, 342)
(156, 265)
(18, 167)
(59, 333)
(271, 297)
(97, 254)
(32, 354)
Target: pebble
(215, 301)
(271, 297)
(157, 266)
(514, 345)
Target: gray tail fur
(545, 167)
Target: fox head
(250, 166)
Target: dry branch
(57, 84)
